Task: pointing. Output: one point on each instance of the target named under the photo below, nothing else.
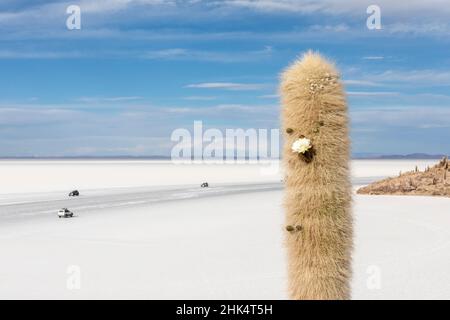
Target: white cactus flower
(301, 145)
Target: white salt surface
(207, 246)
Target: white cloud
(227, 86)
(402, 78)
(200, 98)
(372, 93)
(225, 109)
(13, 116)
(398, 117)
(418, 16)
(274, 5)
(211, 56)
(101, 6)
(424, 77)
(373, 58)
(163, 54)
(327, 28)
(419, 28)
(244, 108)
(270, 96)
(108, 99)
(333, 7)
(36, 54)
(362, 83)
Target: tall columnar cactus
(318, 190)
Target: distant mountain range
(159, 157)
(89, 158)
(397, 156)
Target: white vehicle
(65, 213)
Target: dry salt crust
(220, 246)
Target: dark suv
(74, 193)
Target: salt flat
(406, 242)
(40, 178)
(223, 244)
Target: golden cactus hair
(317, 184)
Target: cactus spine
(318, 190)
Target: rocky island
(433, 181)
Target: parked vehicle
(74, 193)
(65, 213)
(205, 185)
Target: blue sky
(138, 69)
